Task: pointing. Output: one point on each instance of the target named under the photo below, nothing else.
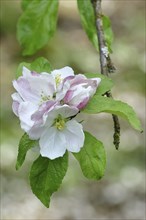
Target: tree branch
(106, 64)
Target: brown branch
(106, 65)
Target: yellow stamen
(59, 123)
(58, 79)
(45, 98)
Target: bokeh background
(121, 193)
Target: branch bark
(106, 64)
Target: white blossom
(59, 132)
(47, 104)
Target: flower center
(45, 98)
(58, 79)
(59, 123)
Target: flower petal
(35, 132)
(74, 136)
(42, 119)
(83, 103)
(52, 143)
(25, 110)
(35, 87)
(43, 85)
(23, 88)
(62, 90)
(16, 97)
(80, 97)
(15, 106)
(68, 96)
(63, 72)
(80, 91)
(38, 116)
(16, 101)
(26, 72)
(65, 111)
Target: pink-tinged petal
(33, 73)
(63, 72)
(68, 96)
(52, 143)
(35, 88)
(74, 136)
(62, 90)
(23, 88)
(16, 101)
(42, 86)
(98, 80)
(83, 103)
(68, 78)
(79, 95)
(16, 97)
(78, 79)
(25, 111)
(39, 83)
(38, 116)
(81, 80)
(80, 91)
(60, 75)
(94, 83)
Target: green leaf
(107, 31)
(88, 20)
(41, 65)
(46, 176)
(103, 104)
(24, 145)
(92, 158)
(37, 25)
(20, 67)
(25, 3)
(105, 85)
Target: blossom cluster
(47, 104)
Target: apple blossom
(46, 104)
(37, 93)
(80, 90)
(59, 132)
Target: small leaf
(107, 31)
(41, 65)
(103, 104)
(46, 176)
(105, 85)
(37, 24)
(88, 20)
(24, 145)
(92, 158)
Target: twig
(106, 64)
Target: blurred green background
(121, 193)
